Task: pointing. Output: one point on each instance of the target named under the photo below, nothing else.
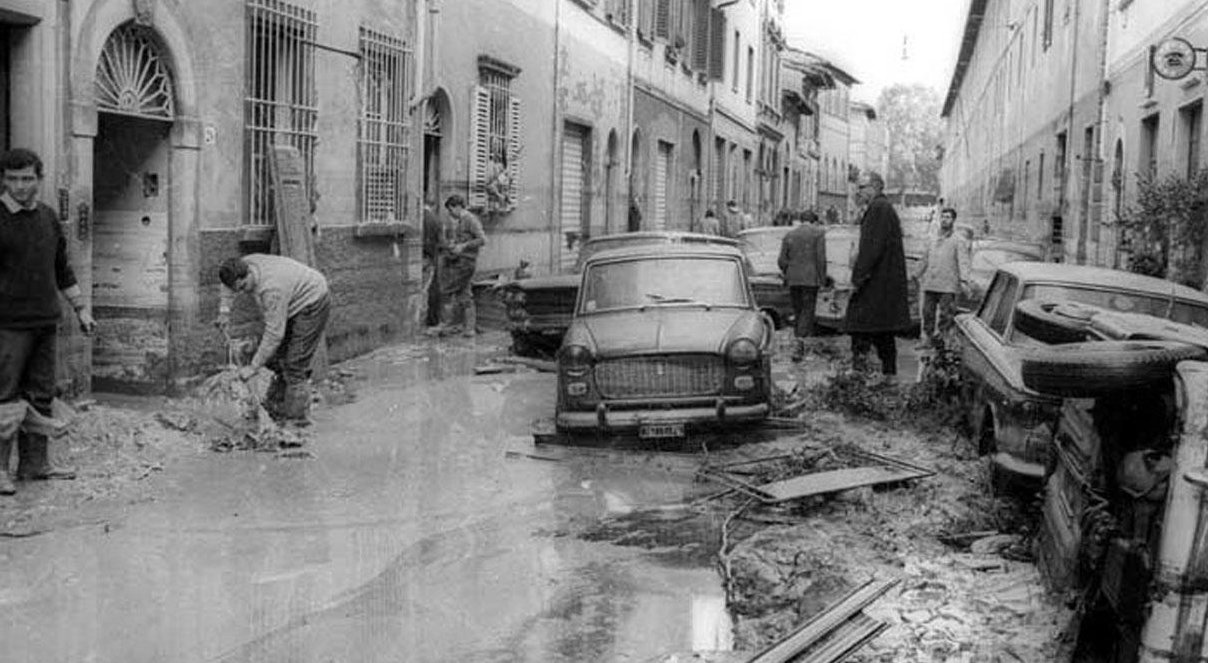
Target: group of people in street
(451, 243)
(732, 221)
(878, 309)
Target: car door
(985, 361)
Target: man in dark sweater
(33, 271)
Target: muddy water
(412, 536)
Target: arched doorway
(436, 121)
(131, 186)
(610, 185)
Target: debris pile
(238, 405)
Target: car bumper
(604, 418)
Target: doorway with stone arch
(131, 185)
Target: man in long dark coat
(878, 307)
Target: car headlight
(575, 360)
(743, 351)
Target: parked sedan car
(1010, 421)
(664, 338)
(539, 309)
(762, 248)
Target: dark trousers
(941, 305)
(27, 366)
(804, 298)
(303, 332)
(885, 344)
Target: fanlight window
(132, 77)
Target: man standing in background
(943, 274)
(463, 237)
(802, 262)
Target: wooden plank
(824, 623)
(295, 237)
(820, 483)
(844, 640)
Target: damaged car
(664, 338)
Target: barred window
(496, 138)
(383, 135)
(280, 103)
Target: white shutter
(514, 150)
(480, 128)
(571, 223)
(662, 178)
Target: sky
(865, 38)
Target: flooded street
(412, 535)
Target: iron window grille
(384, 130)
(496, 147)
(280, 100)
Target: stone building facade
(1054, 113)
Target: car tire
(1085, 370)
(1054, 322)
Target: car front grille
(550, 302)
(663, 375)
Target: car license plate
(661, 430)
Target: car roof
(1055, 272)
(660, 250)
(665, 236)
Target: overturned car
(664, 338)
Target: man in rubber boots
(943, 275)
(295, 303)
(878, 308)
(463, 239)
(34, 271)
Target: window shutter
(646, 18)
(717, 44)
(514, 150)
(662, 18)
(479, 138)
(700, 35)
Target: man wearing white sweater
(296, 305)
(943, 274)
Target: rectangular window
(280, 103)
(700, 35)
(1047, 35)
(1190, 117)
(750, 72)
(717, 45)
(734, 70)
(662, 19)
(384, 132)
(645, 18)
(1149, 75)
(495, 149)
(746, 179)
(1027, 181)
(1149, 147)
(1059, 167)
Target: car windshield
(763, 250)
(662, 281)
(1192, 313)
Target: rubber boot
(33, 459)
(471, 320)
(274, 398)
(798, 349)
(296, 408)
(6, 480)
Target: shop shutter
(717, 44)
(571, 223)
(476, 195)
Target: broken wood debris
(834, 633)
(544, 365)
(521, 454)
(887, 470)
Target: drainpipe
(1070, 138)
(554, 189)
(1100, 123)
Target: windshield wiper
(663, 299)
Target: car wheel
(1054, 322)
(1083, 370)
